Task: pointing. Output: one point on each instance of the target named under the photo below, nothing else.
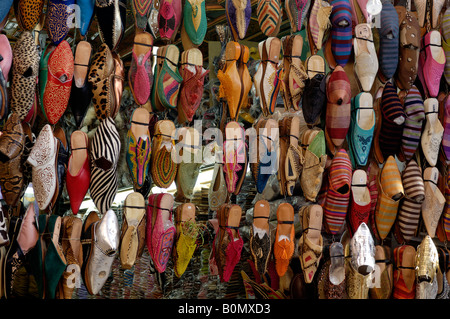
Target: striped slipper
(404, 272)
(372, 179)
(270, 81)
(141, 11)
(445, 109)
(390, 193)
(432, 132)
(319, 22)
(360, 202)
(338, 193)
(389, 40)
(104, 154)
(409, 211)
(341, 31)
(446, 43)
(269, 16)
(412, 130)
(445, 219)
(296, 11)
(392, 122)
(338, 111)
(434, 202)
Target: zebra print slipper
(105, 150)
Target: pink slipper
(431, 62)
(140, 76)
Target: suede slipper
(283, 248)
(260, 236)
(28, 13)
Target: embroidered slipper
(217, 192)
(409, 210)
(71, 227)
(260, 236)
(270, 80)
(101, 78)
(297, 73)
(319, 22)
(163, 169)
(102, 238)
(361, 130)
(338, 111)
(269, 16)
(58, 15)
(132, 235)
(169, 19)
(315, 158)
(86, 8)
(390, 192)
(412, 130)
(59, 82)
(431, 62)
(386, 270)
(404, 272)
(363, 250)
(427, 262)
(25, 72)
(433, 131)
(28, 13)
(43, 73)
(238, 13)
(338, 192)
(434, 201)
(409, 36)
(139, 147)
(81, 92)
(366, 61)
(186, 237)
(341, 31)
(111, 18)
(168, 78)
(191, 91)
(195, 24)
(140, 75)
(283, 248)
(360, 201)
(104, 155)
(235, 157)
(141, 11)
(389, 41)
(160, 229)
(310, 244)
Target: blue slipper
(86, 15)
(389, 40)
(5, 6)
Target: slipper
(140, 75)
(388, 52)
(404, 272)
(366, 61)
(412, 130)
(238, 13)
(363, 250)
(409, 210)
(434, 201)
(338, 192)
(372, 179)
(59, 13)
(162, 167)
(297, 11)
(78, 170)
(246, 80)
(269, 15)
(361, 130)
(446, 42)
(228, 242)
(297, 73)
(431, 62)
(283, 248)
(260, 236)
(338, 111)
(264, 163)
(314, 94)
(168, 80)
(12, 142)
(119, 80)
(335, 284)
(141, 11)
(390, 192)
(286, 47)
(270, 80)
(427, 262)
(43, 73)
(435, 12)
(5, 7)
(360, 201)
(132, 235)
(25, 72)
(5, 66)
(384, 285)
(62, 157)
(235, 158)
(377, 98)
(319, 22)
(315, 158)
(444, 109)
(433, 131)
(111, 18)
(101, 78)
(101, 238)
(191, 91)
(59, 82)
(257, 78)
(341, 31)
(71, 228)
(409, 36)
(86, 8)
(310, 244)
(186, 237)
(357, 283)
(217, 192)
(443, 229)
(81, 92)
(443, 285)
(169, 19)
(104, 155)
(421, 9)
(28, 13)
(195, 24)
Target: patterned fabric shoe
(269, 17)
(260, 236)
(163, 168)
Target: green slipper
(194, 20)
